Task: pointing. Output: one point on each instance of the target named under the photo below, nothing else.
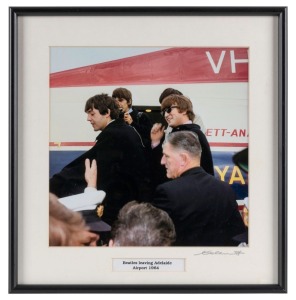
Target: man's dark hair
(103, 103)
(141, 224)
(168, 92)
(123, 93)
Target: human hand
(157, 132)
(84, 238)
(91, 174)
(127, 118)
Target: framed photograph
(231, 62)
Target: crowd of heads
(169, 97)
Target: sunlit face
(175, 118)
(172, 161)
(98, 121)
(123, 104)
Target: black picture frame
(14, 14)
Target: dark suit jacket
(143, 125)
(203, 209)
(122, 169)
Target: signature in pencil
(235, 253)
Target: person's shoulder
(196, 128)
(145, 117)
(188, 127)
(199, 173)
(172, 184)
(139, 114)
(117, 128)
(115, 125)
(166, 185)
(121, 129)
(194, 171)
(223, 186)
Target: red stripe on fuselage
(174, 65)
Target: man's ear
(108, 113)
(184, 158)
(111, 243)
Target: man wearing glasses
(170, 91)
(178, 113)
